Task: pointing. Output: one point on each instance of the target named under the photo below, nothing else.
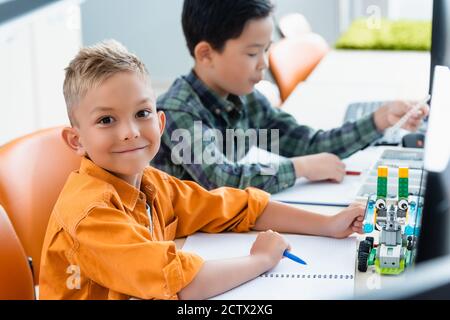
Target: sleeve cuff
(282, 171)
(257, 202)
(286, 174)
(368, 130)
(180, 272)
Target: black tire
(371, 240)
(411, 243)
(362, 261)
(365, 246)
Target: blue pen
(293, 257)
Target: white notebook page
(329, 273)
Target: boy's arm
(299, 140)
(207, 283)
(218, 210)
(265, 253)
(285, 218)
(207, 164)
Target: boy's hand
(390, 113)
(317, 167)
(270, 245)
(347, 221)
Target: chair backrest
(291, 60)
(33, 170)
(294, 25)
(16, 280)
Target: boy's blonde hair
(93, 65)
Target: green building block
(381, 187)
(403, 191)
(372, 257)
(390, 271)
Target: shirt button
(217, 111)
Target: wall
(152, 29)
(321, 14)
(411, 9)
(34, 50)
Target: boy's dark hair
(216, 21)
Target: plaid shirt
(189, 101)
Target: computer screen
(434, 234)
(440, 41)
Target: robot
(397, 220)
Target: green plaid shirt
(189, 103)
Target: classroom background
(38, 39)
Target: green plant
(389, 35)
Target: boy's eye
(252, 54)
(106, 120)
(143, 114)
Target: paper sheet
(329, 272)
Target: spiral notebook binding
(307, 276)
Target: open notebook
(329, 274)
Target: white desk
(373, 67)
(323, 105)
(346, 76)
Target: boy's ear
(162, 121)
(72, 139)
(203, 52)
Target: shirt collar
(211, 100)
(128, 194)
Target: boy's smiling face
(117, 125)
(241, 63)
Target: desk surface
(346, 76)
(323, 105)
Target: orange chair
(291, 60)
(33, 170)
(16, 280)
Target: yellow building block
(403, 172)
(382, 171)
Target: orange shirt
(99, 245)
